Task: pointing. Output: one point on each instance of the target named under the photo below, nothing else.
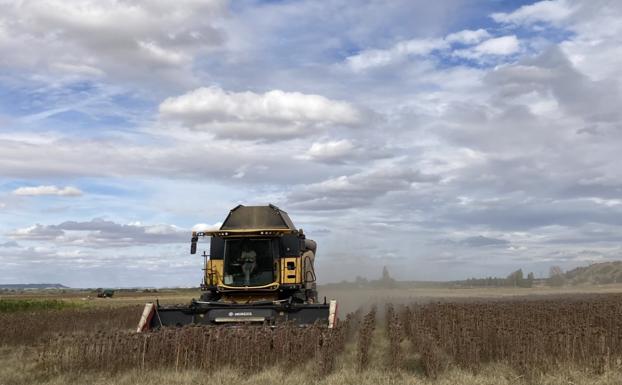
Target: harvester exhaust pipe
(193, 243)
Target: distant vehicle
(105, 293)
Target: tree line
(514, 279)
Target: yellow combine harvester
(260, 269)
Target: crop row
(30, 327)
(533, 336)
(248, 348)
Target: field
(401, 337)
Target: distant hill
(595, 274)
(26, 286)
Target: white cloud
(161, 229)
(329, 150)
(499, 46)
(359, 189)
(505, 45)
(249, 115)
(100, 233)
(606, 202)
(159, 54)
(80, 70)
(172, 157)
(372, 58)
(549, 11)
(594, 48)
(468, 36)
(37, 232)
(68, 191)
(115, 40)
(402, 50)
(206, 227)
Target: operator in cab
(247, 261)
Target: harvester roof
(257, 217)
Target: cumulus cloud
(100, 233)
(550, 11)
(206, 227)
(468, 36)
(328, 151)
(77, 267)
(551, 75)
(110, 39)
(67, 191)
(171, 157)
(402, 50)
(37, 232)
(382, 57)
(359, 189)
(249, 115)
(499, 46)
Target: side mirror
(193, 245)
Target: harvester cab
(260, 269)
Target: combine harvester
(259, 271)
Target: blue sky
(444, 140)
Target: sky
(445, 140)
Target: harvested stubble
(366, 330)
(533, 336)
(29, 327)
(207, 348)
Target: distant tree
(555, 270)
(556, 276)
(515, 279)
(385, 274)
(386, 280)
